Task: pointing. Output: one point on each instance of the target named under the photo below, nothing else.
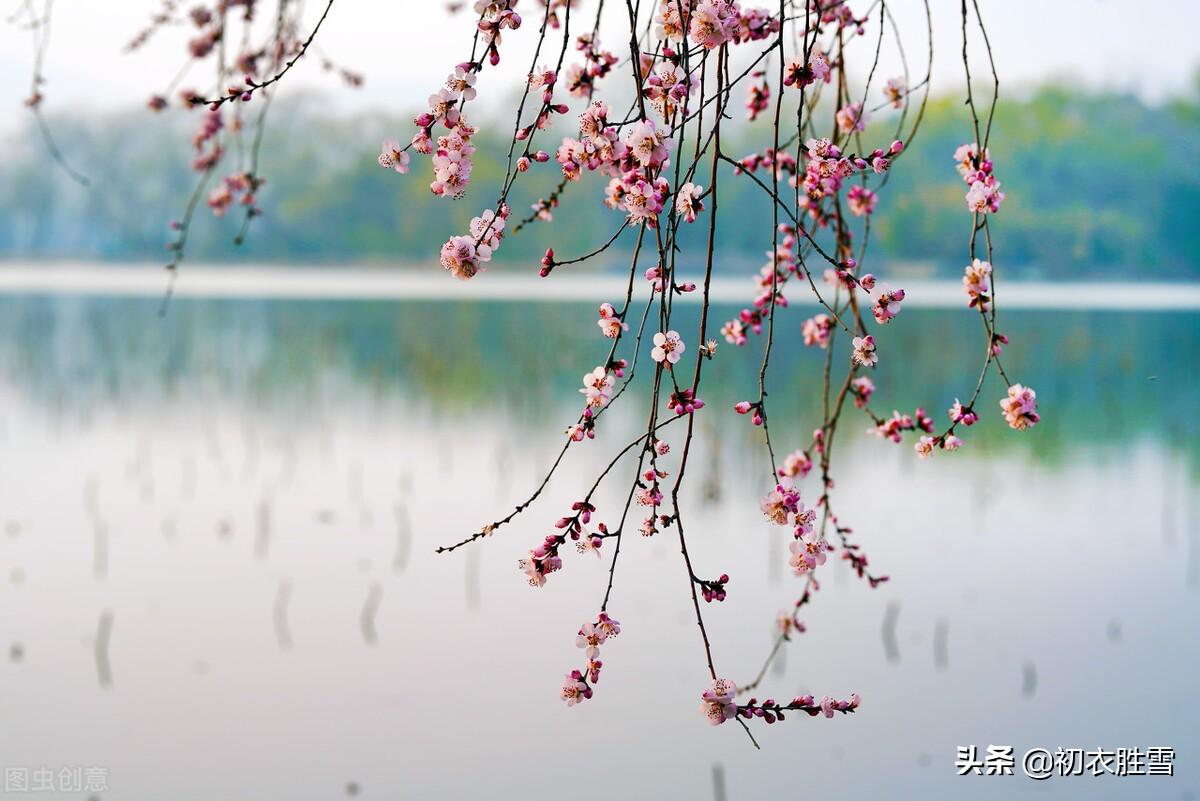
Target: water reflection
(234, 510)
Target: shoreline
(198, 281)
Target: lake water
(218, 578)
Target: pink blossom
(669, 25)
(462, 82)
(646, 144)
(589, 544)
(966, 155)
(816, 330)
(959, 414)
(780, 504)
(667, 87)
(597, 387)
(977, 283)
(713, 23)
(808, 552)
(719, 705)
(1020, 407)
(864, 351)
(796, 464)
(851, 118)
(734, 332)
(887, 304)
(924, 447)
(607, 626)
(458, 256)
(687, 201)
(575, 689)
(393, 157)
(609, 322)
(667, 347)
(862, 387)
(589, 639)
(985, 196)
(861, 200)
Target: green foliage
(1099, 185)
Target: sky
(405, 56)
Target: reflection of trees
(1109, 378)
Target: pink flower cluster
(591, 636)
(1020, 407)
(210, 125)
(887, 304)
(838, 12)
(240, 187)
(452, 163)
(597, 62)
(758, 96)
(632, 162)
(713, 22)
(545, 559)
(861, 201)
(667, 87)
(610, 322)
(495, 17)
(799, 73)
(895, 90)
(977, 283)
(984, 194)
(816, 331)
(852, 118)
(464, 256)
(862, 388)
(784, 507)
(781, 266)
(827, 167)
(960, 414)
(893, 427)
(598, 387)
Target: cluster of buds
(771, 710)
(684, 401)
(597, 62)
(497, 16)
(862, 388)
(714, 589)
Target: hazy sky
(405, 56)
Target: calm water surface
(219, 580)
